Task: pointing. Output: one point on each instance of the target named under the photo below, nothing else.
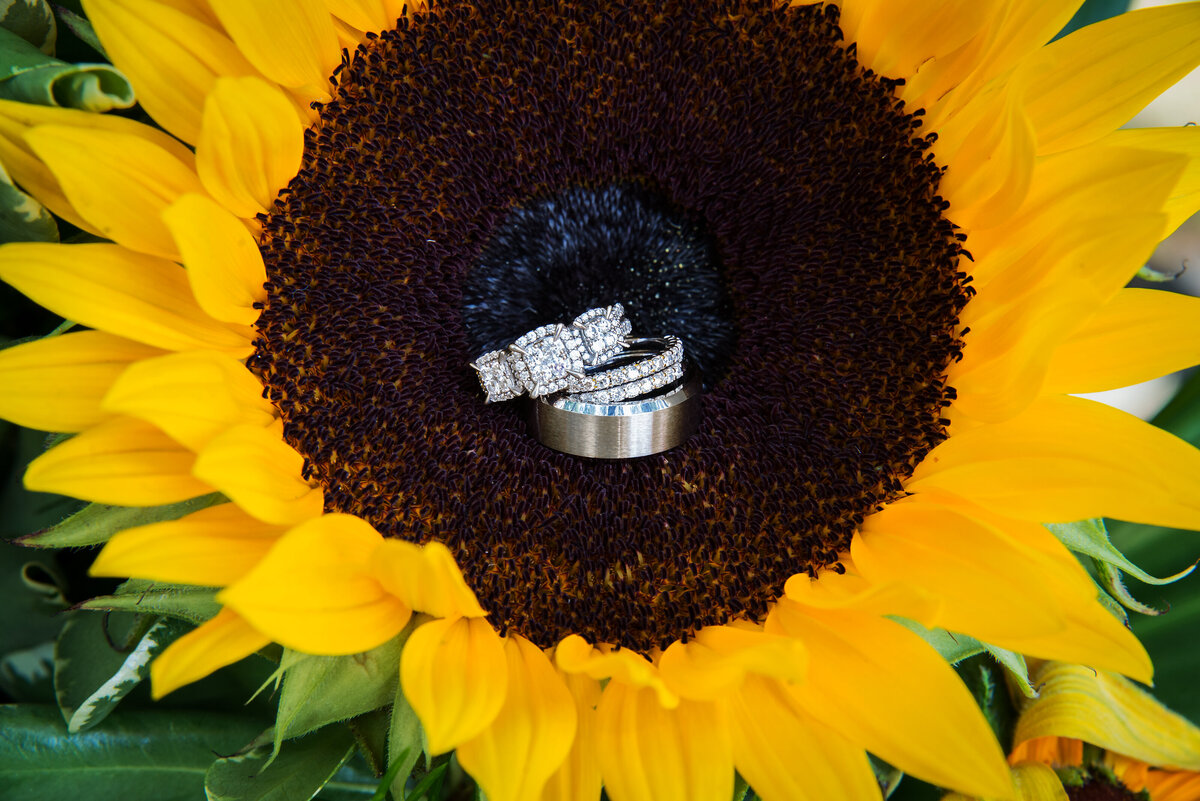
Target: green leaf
(1014, 664)
(887, 775)
(318, 690)
(147, 755)
(298, 773)
(22, 218)
(1110, 579)
(193, 604)
(1094, 11)
(32, 20)
(405, 742)
(953, 647)
(1090, 537)
(82, 29)
(96, 523)
(28, 75)
(1170, 638)
(985, 679)
(91, 675)
(31, 601)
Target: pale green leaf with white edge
(96, 523)
(1089, 537)
(32, 20)
(318, 690)
(298, 773)
(28, 75)
(22, 218)
(1110, 579)
(132, 671)
(193, 604)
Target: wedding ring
(644, 366)
(622, 430)
(546, 359)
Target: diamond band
(646, 365)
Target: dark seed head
(826, 263)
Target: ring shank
(623, 430)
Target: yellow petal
(426, 578)
(455, 674)
(578, 778)
(1008, 354)
(989, 149)
(787, 755)
(28, 170)
(1185, 199)
(919, 716)
(849, 590)
(57, 383)
(1073, 197)
(650, 753)
(1066, 459)
(1017, 30)
(893, 42)
(170, 54)
(575, 655)
(224, 265)
(1139, 335)
(260, 473)
(313, 591)
(530, 737)
(1034, 782)
(193, 397)
(1038, 783)
(366, 15)
(209, 548)
(301, 49)
(121, 461)
(983, 578)
(118, 182)
(719, 658)
(124, 293)
(250, 146)
(1089, 634)
(221, 641)
(1092, 81)
(1108, 711)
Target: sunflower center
(819, 268)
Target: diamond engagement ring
(548, 358)
(646, 364)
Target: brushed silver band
(624, 430)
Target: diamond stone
(497, 376)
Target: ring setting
(546, 359)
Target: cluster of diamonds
(549, 358)
(618, 380)
(545, 359)
(632, 389)
(604, 332)
(497, 376)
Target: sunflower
(895, 241)
(1092, 735)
